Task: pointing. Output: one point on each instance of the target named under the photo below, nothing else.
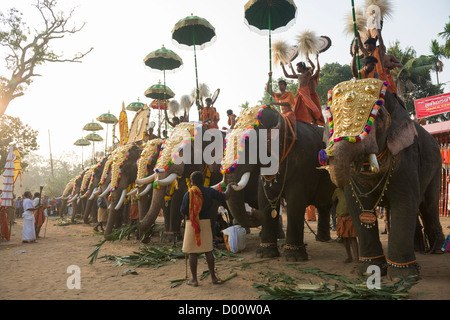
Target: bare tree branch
(25, 55)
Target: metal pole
(356, 40)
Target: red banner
(432, 106)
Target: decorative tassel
(323, 157)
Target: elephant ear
(402, 131)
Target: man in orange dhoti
(314, 82)
(39, 215)
(209, 115)
(285, 99)
(305, 109)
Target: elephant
(65, 196)
(77, 204)
(91, 190)
(123, 173)
(392, 162)
(296, 178)
(177, 160)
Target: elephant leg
(173, 233)
(294, 249)
(268, 248)
(369, 245)
(429, 212)
(323, 224)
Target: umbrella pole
(356, 40)
(196, 77)
(270, 53)
(165, 107)
(106, 140)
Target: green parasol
(165, 60)
(107, 118)
(94, 138)
(265, 16)
(82, 143)
(135, 106)
(93, 126)
(159, 92)
(193, 31)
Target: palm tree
(413, 80)
(438, 52)
(446, 35)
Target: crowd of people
(33, 209)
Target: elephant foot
(295, 253)
(267, 251)
(323, 238)
(365, 263)
(404, 270)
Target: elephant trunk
(236, 204)
(155, 208)
(339, 165)
(114, 210)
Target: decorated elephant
(65, 196)
(90, 190)
(90, 213)
(291, 174)
(181, 155)
(123, 173)
(381, 157)
(74, 199)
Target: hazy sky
(69, 95)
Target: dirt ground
(39, 271)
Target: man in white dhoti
(28, 231)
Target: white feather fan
(308, 43)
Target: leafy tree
(438, 52)
(27, 50)
(24, 137)
(39, 174)
(413, 80)
(446, 35)
(330, 75)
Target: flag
(17, 167)
(123, 126)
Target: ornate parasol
(94, 137)
(107, 118)
(135, 106)
(266, 16)
(193, 31)
(159, 92)
(93, 126)
(82, 143)
(165, 60)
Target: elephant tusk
(132, 192)
(105, 193)
(146, 180)
(121, 200)
(373, 163)
(166, 181)
(243, 182)
(73, 199)
(216, 186)
(94, 193)
(146, 190)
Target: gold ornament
(181, 132)
(352, 103)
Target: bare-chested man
(305, 109)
